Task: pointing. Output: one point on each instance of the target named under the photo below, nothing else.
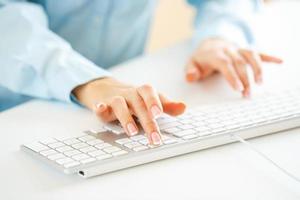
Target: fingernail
(100, 106)
(156, 111)
(192, 71)
(132, 130)
(155, 138)
(193, 74)
(247, 94)
(259, 79)
(238, 86)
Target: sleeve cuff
(231, 30)
(72, 70)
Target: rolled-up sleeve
(35, 61)
(228, 19)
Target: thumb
(192, 72)
(172, 107)
(268, 58)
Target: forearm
(228, 19)
(35, 61)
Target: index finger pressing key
(146, 120)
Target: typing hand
(218, 55)
(112, 100)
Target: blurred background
(173, 21)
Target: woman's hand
(218, 55)
(112, 100)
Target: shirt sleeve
(228, 19)
(35, 61)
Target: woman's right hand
(112, 100)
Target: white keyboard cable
(253, 148)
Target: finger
(151, 99)
(225, 66)
(255, 63)
(121, 110)
(268, 58)
(104, 112)
(192, 72)
(148, 123)
(240, 67)
(171, 107)
(205, 70)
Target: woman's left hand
(219, 55)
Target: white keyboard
(108, 149)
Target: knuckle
(137, 103)
(131, 92)
(245, 79)
(103, 118)
(251, 53)
(258, 71)
(224, 61)
(146, 87)
(240, 62)
(117, 100)
(150, 124)
(151, 99)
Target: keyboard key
(103, 157)
(88, 149)
(189, 137)
(102, 145)
(56, 145)
(56, 156)
(72, 153)
(164, 137)
(138, 137)
(172, 130)
(98, 130)
(199, 124)
(185, 132)
(89, 160)
(140, 148)
(71, 141)
(96, 153)
(144, 142)
(204, 133)
(186, 127)
(202, 129)
(187, 121)
(80, 145)
(48, 152)
(36, 146)
(166, 119)
(119, 153)
(170, 125)
(86, 138)
(115, 129)
(48, 141)
(94, 142)
(71, 164)
(132, 145)
(67, 137)
(123, 141)
(81, 156)
(63, 161)
(64, 148)
(170, 141)
(111, 149)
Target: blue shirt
(48, 47)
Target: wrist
(85, 93)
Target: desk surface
(226, 172)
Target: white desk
(227, 172)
